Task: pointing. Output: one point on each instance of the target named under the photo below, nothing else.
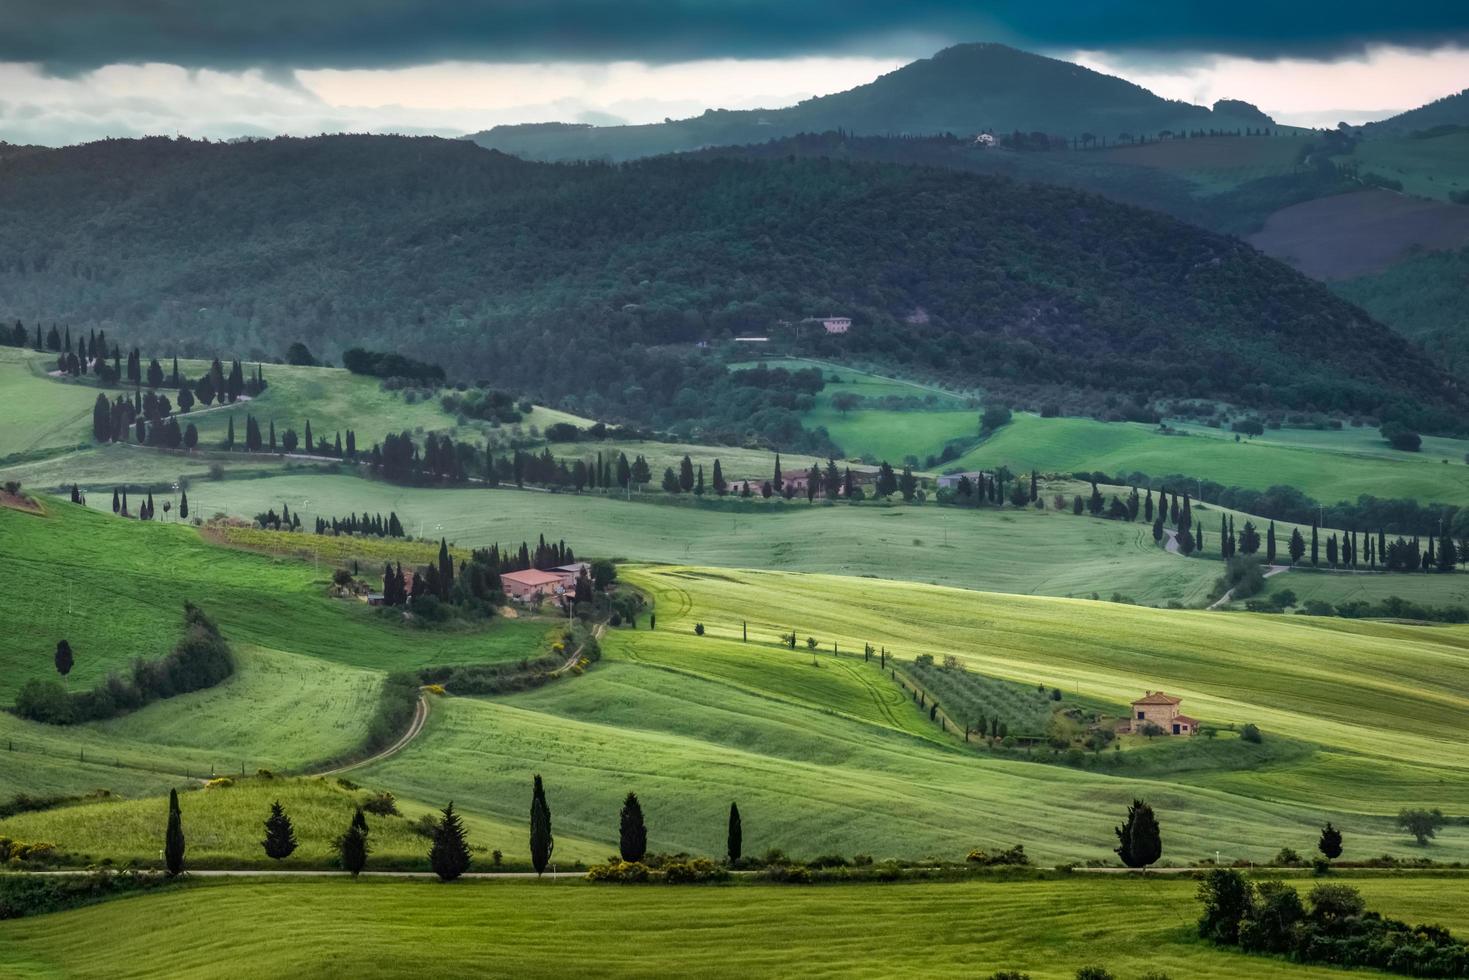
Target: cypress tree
(736, 837)
(64, 659)
(633, 837)
(542, 844)
(116, 506)
(310, 446)
(173, 838)
(1270, 543)
(1139, 843)
(686, 475)
(280, 836)
(449, 855)
(1315, 544)
(720, 486)
(229, 438)
(102, 419)
(184, 503)
(446, 569)
(1330, 843)
(352, 847)
(1448, 554)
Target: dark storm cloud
(72, 35)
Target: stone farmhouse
(1162, 710)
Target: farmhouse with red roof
(1161, 709)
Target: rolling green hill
(532, 274)
(377, 929)
(692, 722)
(309, 668)
(927, 543)
(58, 410)
(1451, 110)
(966, 89)
(1328, 465)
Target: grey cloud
(77, 35)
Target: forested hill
(1451, 110)
(558, 276)
(967, 88)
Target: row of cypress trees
(449, 853)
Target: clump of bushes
(1010, 856)
(200, 659)
(18, 853)
(22, 895)
(1333, 926)
(382, 804)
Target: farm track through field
(420, 716)
(1229, 596)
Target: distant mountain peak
(965, 88)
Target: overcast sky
(83, 69)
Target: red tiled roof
(1186, 720)
(1157, 697)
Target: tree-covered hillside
(1451, 110)
(963, 89)
(560, 277)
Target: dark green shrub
(22, 895)
(1011, 856)
(382, 804)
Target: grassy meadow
(1433, 168)
(873, 432)
(58, 411)
(384, 928)
(309, 667)
(1329, 466)
(693, 722)
(223, 827)
(40, 413)
(1005, 550)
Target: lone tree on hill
(64, 659)
(1138, 841)
(542, 844)
(352, 847)
(1330, 843)
(1422, 824)
(449, 855)
(173, 837)
(736, 838)
(633, 841)
(280, 836)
